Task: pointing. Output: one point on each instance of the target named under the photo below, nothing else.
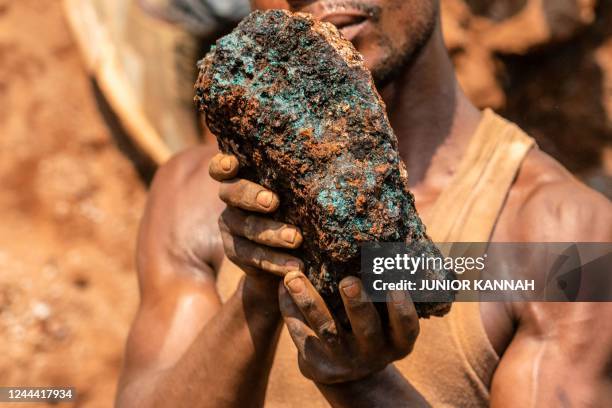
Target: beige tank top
(453, 361)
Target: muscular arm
(561, 353)
(186, 348)
(560, 356)
(182, 347)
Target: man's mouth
(349, 24)
(349, 16)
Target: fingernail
(296, 285)
(293, 266)
(264, 198)
(352, 290)
(288, 235)
(226, 163)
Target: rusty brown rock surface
(293, 100)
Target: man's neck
(431, 116)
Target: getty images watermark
(490, 271)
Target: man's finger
(310, 348)
(403, 320)
(296, 323)
(312, 306)
(248, 196)
(362, 314)
(245, 253)
(223, 167)
(262, 230)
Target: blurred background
(74, 185)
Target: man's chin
(385, 71)
(384, 62)
(389, 66)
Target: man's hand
(248, 236)
(328, 354)
(177, 352)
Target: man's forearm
(387, 388)
(229, 362)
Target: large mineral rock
(293, 101)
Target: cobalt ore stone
(294, 102)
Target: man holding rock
(227, 317)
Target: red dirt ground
(69, 204)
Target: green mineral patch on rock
(294, 102)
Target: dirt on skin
(70, 203)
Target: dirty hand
(329, 354)
(248, 235)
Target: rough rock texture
(293, 101)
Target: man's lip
(343, 19)
(351, 31)
(348, 23)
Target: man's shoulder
(548, 204)
(186, 164)
(190, 166)
(183, 197)
(553, 205)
